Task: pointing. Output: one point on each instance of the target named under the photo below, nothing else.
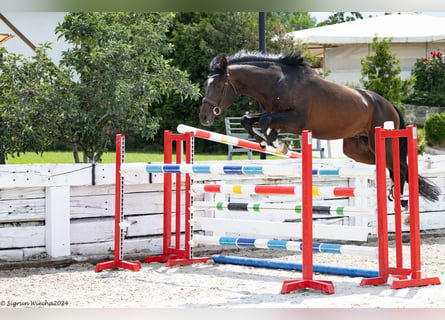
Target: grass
(109, 157)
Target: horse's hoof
(391, 194)
(280, 146)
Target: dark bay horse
(296, 98)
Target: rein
(216, 108)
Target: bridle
(216, 108)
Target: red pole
(382, 223)
(167, 192)
(381, 201)
(177, 255)
(397, 201)
(307, 265)
(414, 203)
(307, 206)
(178, 196)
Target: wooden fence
(68, 210)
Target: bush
(429, 74)
(381, 73)
(435, 129)
(421, 141)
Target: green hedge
(435, 129)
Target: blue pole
(297, 266)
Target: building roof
(402, 28)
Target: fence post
(57, 221)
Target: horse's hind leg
(403, 166)
(360, 150)
(357, 148)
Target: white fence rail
(56, 211)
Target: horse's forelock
(215, 66)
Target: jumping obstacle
(295, 266)
(221, 138)
(183, 256)
(175, 253)
(404, 277)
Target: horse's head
(219, 92)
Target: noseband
(216, 108)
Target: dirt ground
(213, 285)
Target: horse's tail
(427, 189)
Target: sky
(321, 16)
(46, 22)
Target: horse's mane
(257, 58)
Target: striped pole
(221, 138)
(296, 266)
(291, 169)
(280, 190)
(281, 208)
(240, 242)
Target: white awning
(401, 28)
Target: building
(343, 45)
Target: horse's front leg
(268, 134)
(248, 121)
(264, 136)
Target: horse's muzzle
(206, 118)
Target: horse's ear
(223, 63)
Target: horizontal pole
(281, 208)
(296, 266)
(221, 138)
(281, 190)
(240, 242)
(291, 169)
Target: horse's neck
(254, 82)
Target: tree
(119, 67)
(28, 89)
(198, 37)
(340, 17)
(114, 71)
(293, 21)
(381, 72)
